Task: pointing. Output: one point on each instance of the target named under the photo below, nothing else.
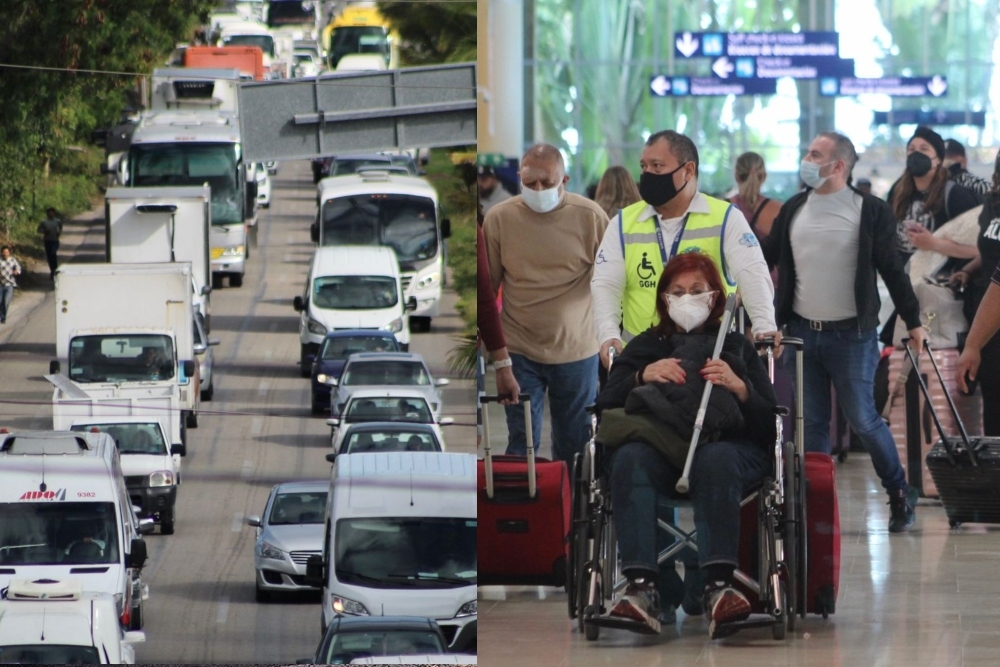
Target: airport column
(500, 34)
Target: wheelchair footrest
(620, 624)
(755, 621)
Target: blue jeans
(571, 387)
(847, 359)
(6, 296)
(721, 474)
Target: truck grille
(406, 283)
(301, 557)
(136, 480)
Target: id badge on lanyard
(677, 240)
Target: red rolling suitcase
(524, 514)
(823, 535)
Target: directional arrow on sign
(937, 86)
(722, 67)
(687, 44)
(660, 85)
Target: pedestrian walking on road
(51, 228)
(9, 271)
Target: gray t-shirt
(825, 236)
(51, 228)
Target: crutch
(683, 484)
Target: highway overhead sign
(935, 117)
(914, 86)
(756, 44)
(663, 85)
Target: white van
(56, 623)
(400, 539)
(351, 287)
(65, 514)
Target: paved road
(258, 431)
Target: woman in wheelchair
(662, 373)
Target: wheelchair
(772, 570)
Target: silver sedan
(290, 531)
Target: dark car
(333, 353)
(350, 637)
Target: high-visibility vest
(701, 232)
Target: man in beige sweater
(541, 246)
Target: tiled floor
(930, 597)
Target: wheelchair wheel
(592, 595)
(578, 521)
(791, 537)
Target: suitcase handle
(488, 454)
(951, 404)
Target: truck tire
(216, 281)
(135, 622)
(261, 596)
(184, 433)
(236, 279)
(305, 369)
(167, 521)
(191, 419)
(206, 394)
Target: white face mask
(689, 311)
(809, 173)
(540, 201)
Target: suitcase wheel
(954, 524)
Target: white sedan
(397, 404)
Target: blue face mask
(809, 173)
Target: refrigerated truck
(186, 88)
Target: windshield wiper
(419, 576)
(362, 577)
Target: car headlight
(323, 378)
(233, 251)
(316, 327)
(428, 281)
(265, 550)
(161, 478)
(345, 606)
(468, 609)
(395, 326)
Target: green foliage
(433, 33)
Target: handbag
(941, 314)
(618, 428)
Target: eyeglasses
(697, 291)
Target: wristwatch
(503, 363)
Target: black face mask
(918, 164)
(657, 189)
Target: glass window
(47, 533)
(389, 409)
(348, 646)
(342, 347)
(145, 438)
(391, 372)
(355, 292)
(121, 358)
(391, 441)
(298, 508)
(406, 223)
(49, 654)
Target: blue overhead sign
(914, 86)
(797, 67)
(694, 86)
(936, 117)
(756, 44)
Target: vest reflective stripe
(643, 265)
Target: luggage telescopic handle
(951, 404)
(529, 438)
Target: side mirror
(54, 367)
(180, 450)
(253, 520)
(100, 138)
(442, 382)
(445, 228)
(251, 202)
(304, 661)
(199, 348)
(105, 169)
(315, 571)
(411, 304)
(314, 232)
(146, 526)
(298, 304)
(206, 290)
(333, 421)
(331, 457)
(137, 554)
(188, 367)
(134, 637)
(214, 341)
(446, 421)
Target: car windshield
(343, 166)
(392, 372)
(57, 533)
(406, 552)
(351, 645)
(142, 357)
(49, 654)
(144, 438)
(263, 42)
(390, 441)
(407, 223)
(355, 292)
(358, 39)
(341, 347)
(387, 409)
(297, 508)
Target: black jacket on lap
(677, 405)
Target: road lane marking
(268, 353)
(256, 425)
(237, 522)
(288, 259)
(247, 469)
(264, 386)
(223, 609)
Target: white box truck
(126, 331)
(165, 224)
(195, 89)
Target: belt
(831, 325)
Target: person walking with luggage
(828, 243)
(10, 269)
(673, 218)
(488, 327)
(541, 247)
(658, 363)
(51, 228)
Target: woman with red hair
(661, 373)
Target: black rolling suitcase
(965, 470)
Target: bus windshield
(290, 12)
(407, 223)
(193, 164)
(263, 42)
(62, 533)
(348, 40)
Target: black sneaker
(640, 603)
(902, 506)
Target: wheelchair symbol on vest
(645, 269)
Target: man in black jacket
(828, 242)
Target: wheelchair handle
(496, 399)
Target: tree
(433, 33)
